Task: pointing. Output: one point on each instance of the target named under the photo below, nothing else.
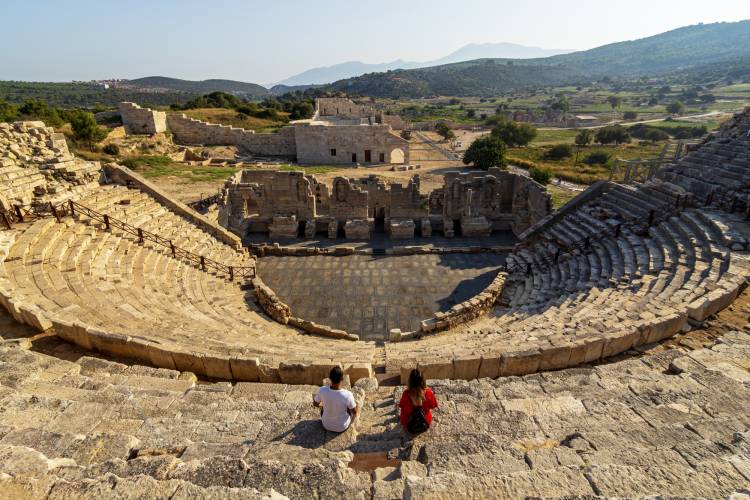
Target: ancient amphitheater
(146, 354)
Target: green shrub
(616, 134)
(514, 133)
(597, 158)
(111, 149)
(630, 115)
(85, 128)
(584, 137)
(541, 175)
(485, 152)
(559, 151)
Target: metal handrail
(70, 207)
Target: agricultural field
(647, 101)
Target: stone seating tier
(624, 292)
(77, 426)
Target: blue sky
(264, 42)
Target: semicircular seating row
(105, 291)
(74, 425)
(637, 288)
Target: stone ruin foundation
(292, 204)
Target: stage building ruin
(340, 132)
(291, 204)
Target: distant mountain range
(330, 74)
(692, 50)
(199, 87)
(718, 50)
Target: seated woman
(416, 404)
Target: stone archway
(397, 156)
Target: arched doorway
(397, 156)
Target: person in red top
(417, 403)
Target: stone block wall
(138, 120)
(348, 144)
(342, 107)
(36, 167)
(191, 131)
(481, 201)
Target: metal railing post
(203, 263)
(54, 211)
(72, 208)
(19, 213)
(106, 222)
(140, 236)
(174, 251)
(231, 273)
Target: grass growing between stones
(231, 117)
(163, 166)
(560, 195)
(322, 169)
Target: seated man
(339, 406)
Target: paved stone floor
(369, 295)
(381, 240)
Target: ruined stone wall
(37, 168)
(378, 195)
(395, 121)
(138, 120)
(471, 194)
(191, 131)
(263, 195)
(479, 201)
(342, 107)
(347, 144)
(407, 202)
(531, 203)
(348, 201)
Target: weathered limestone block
(425, 227)
(437, 370)
(137, 120)
(270, 302)
(357, 229)
(466, 368)
(520, 362)
(472, 227)
(401, 229)
(712, 302)
(333, 229)
(244, 369)
(283, 227)
(489, 367)
(358, 371)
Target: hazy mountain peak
(349, 69)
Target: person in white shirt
(339, 406)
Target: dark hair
(417, 386)
(336, 375)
